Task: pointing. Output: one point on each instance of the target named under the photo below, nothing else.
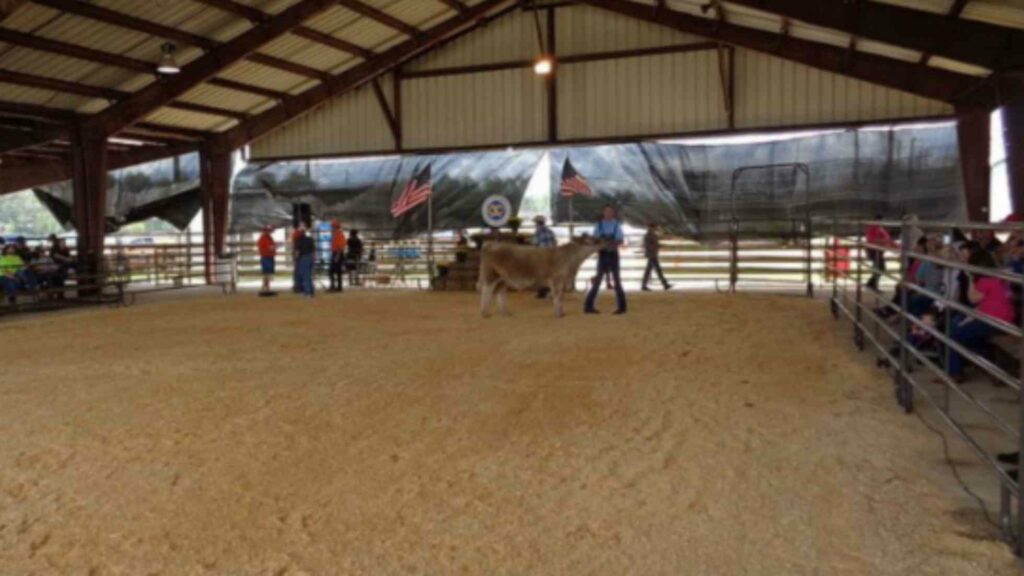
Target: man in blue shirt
(544, 237)
(608, 229)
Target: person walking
(337, 268)
(878, 236)
(355, 256)
(268, 254)
(297, 234)
(305, 251)
(544, 237)
(652, 245)
(609, 230)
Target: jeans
(654, 264)
(305, 273)
(337, 271)
(972, 336)
(877, 258)
(607, 265)
(10, 287)
(918, 304)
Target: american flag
(572, 183)
(416, 192)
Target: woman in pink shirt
(878, 236)
(991, 297)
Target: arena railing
(903, 358)
(790, 256)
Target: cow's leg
(503, 299)
(486, 293)
(557, 292)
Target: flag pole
(430, 238)
(572, 218)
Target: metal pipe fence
(888, 326)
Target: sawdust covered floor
(385, 433)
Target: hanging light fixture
(168, 64)
(545, 64)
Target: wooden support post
(727, 76)
(552, 80)
(396, 104)
(89, 181)
(973, 132)
(1013, 136)
(215, 173)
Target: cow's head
(592, 242)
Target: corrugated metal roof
(581, 29)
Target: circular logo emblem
(496, 211)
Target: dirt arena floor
(398, 433)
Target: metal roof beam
(7, 7)
(930, 83)
(44, 113)
(354, 77)
(122, 20)
(14, 139)
(159, 94)
(87, 90)
(987, 45)
(94, 12)
(380, 16)
(258, 17)
(74, 51)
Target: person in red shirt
(338, 244)
(268, 251)
(878, 236)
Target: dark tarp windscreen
(360, 192)
(166, 189)
(699, 188)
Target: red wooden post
(973, 127)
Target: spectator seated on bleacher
(61, 254)
(14, 274)
(45, 270)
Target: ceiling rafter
(954, 13)
(74, 51)
(22, 79)
(455, 5)
(354, 77)
(41, 44)
(384, 18)
(7, 7)
(978, 43)
(930, 83)
(159, 94)
(113, 17)
(258, 17)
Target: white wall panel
(771, 91)
(352, 123)
(676, 93)
(584, 29)
(651, 95)
(513, 37)
(500, 107)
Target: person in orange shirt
(338, 244)
(268, 251)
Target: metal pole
(572, 218)
(430, 239)
(1019, 543)
(734, 254)
(858, 329)
(906, 392)
(810, 256)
